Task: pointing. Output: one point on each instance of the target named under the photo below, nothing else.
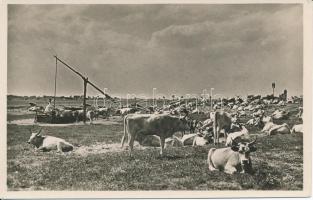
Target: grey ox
(163, 125)
(232, 159)
(48, 143)
(221, 121)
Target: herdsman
(49, 107)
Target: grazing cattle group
(177, 125)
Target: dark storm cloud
(237, 49)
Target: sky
(178, 49)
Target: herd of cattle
(168, 126)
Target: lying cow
(188, 139)
(300, 113)
(162, 125)
(298, 128)
(280, 114)
(270, 128)
(252, 122)
(125, 111)
(201, 140)
(154, 141)
(48, 143)
(236, 135)
(232, 159)
(104, 112)
(173, 142)
(259, 113)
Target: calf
(232, 159)
(48, 143)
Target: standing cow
(162, 125)
(221, 120)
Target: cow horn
(253, 142)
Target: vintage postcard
(152, 99)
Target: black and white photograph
(157, 97)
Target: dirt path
(100, 148)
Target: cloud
(132, 48)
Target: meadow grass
(278, 164)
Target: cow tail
(125, 131)
(210, 163)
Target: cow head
(35, 138)
(244, 150)
(266, 119)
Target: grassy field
(278, 163)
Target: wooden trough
(54, 119)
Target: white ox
(232, 159)
(236, 135)
(270, 128)
(48, 143)
(298, 128)
(138, 126)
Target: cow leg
(59, 148)
(214, 134)
(40, 149)
(162, 143)
(131, 144)
(217, 135)
(225, 135)
(210, 163)
(123, 140)
(230, 169)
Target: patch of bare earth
(100, 148)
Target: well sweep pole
(84, 102)
(55, 80)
